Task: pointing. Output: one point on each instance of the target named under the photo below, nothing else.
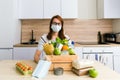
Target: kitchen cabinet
(59, 7)
(6, 53)
(78, 51)
(30, 9)
(117, 63)
(69, 8)
(51, 8)
(24, 53)
(45, 9)
(101, 54)
(97, 49)
(87, 9)
(116, 58)
(8, 23)
(105, 58)
(108, 9)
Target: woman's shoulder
(44, 35)
(44, 38)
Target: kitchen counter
(76, 45)
(95, 45)
(25, 45)
(9, 72)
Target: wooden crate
(64, 61)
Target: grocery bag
(41, 69)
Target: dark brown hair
(60, 33)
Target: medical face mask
(56, 28)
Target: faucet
(32, 40)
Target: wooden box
(64, 61)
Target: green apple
(71, 51)
(93, 73)
(57, 51)
(65, 41)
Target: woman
(55, 30)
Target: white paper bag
(42, 69)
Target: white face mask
(56, 28)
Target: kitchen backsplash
(78, 30)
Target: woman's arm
(37, 56)
(40, 48)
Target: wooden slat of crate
(64, 61)
(62, 58)
(64, 65)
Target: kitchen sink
(32, 40)
(29, 43)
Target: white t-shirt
(44, 39)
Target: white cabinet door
(97, 49)
(104, 58)
(30, 9)
(78, 51)
(117, 58)
(108, 9)
(117, 63)
(69, 8)
(7, 23)
(101, 54)
(24, 53)
(45, 9)
(92, 49)
(89, 56)
(107, 59)
(51, 8)
(6, 54)
(87, 9)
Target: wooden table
(9, 72)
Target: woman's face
(56, 25)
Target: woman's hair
(60, 33)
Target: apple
(93, 73)
(57, 51)
(71, 51)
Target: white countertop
(9, 72)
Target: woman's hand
(37, 56)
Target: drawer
(92, 49)
(108, 49)
(97, 49)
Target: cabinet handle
(96, 57)
(105, 60)
(100, 58)
(87, 57)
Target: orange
(65, 47)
